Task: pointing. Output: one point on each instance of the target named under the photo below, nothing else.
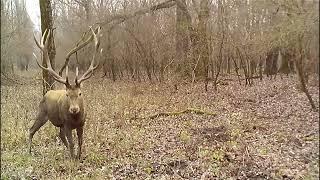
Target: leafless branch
(122, 17)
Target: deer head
(73, 91)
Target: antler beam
(43, 46)
(89, 72)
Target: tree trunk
(182, 41)
(203, 43)
(236, 68)
(47, 23)
(302, 79)
(260, 68)
(222, 34)
(228, 65)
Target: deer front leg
(62, 136)
(80, 140)
(68, 132)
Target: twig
(164, 69)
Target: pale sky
(33, 10)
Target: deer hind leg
(62, 136)
(41, 119)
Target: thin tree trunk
(302, 79)
(182, 40)
(236, 68)
(260, 68)
(243, 66)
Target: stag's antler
(77, 48)
(43, 46)
(89, 72)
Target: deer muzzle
(74, 109)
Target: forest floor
(266, 131)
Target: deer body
(64, 108)
(57, 107)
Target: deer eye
(79, 94)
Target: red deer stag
(64, 108)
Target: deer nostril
(74, 110)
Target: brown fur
(57, 106)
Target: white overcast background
(33, 10)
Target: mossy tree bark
(47, 23)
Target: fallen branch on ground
(188, 110)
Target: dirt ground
(266, 131)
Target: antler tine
(89, 72)
(39, 64)
(67, 71)
(46, 42)
(42, 41)
(77, 71)
(77, 74)
(96, 40)
(37, 43)
(43, 46)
